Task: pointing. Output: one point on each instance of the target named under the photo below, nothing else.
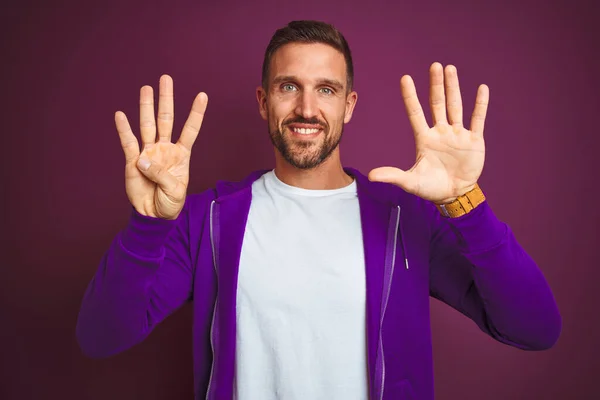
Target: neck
(328, 175)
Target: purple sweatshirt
(472, 263)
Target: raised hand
(450, 157)
(156, 180)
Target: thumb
(395, 176)
(158, 174)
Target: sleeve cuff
(479, 230)
(146, 236)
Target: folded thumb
(144, 164)
(157, 174)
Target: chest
(303, 254)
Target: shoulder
(222, 188)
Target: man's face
(307, 102)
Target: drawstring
(402, 240)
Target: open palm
(156, 179)
(449, 157)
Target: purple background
(67, 68)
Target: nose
(307, 105)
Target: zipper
(212, 347)
(387, 297)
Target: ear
(351, 100)
(261, 97)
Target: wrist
(463, 204)
(145, 235)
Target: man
(312, 281)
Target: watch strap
(463, 204)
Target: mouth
(305, 131)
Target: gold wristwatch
(463, 204)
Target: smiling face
(306, 103)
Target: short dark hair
(308, 32)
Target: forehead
(308, 61)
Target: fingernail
(144, 163)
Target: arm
(478, 267)
(148, 271)
(476, 264)
(145, 275)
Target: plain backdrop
(66, 67)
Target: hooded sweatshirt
(473, 263)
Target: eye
(288, 87)
(326, 90)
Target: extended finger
(479, 112)
(396, 176)
(194, 122)
(129, 143)
(453, 98)
(437, 98)
(165, 109)
(413, 106)
(147, 122)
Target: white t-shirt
(301, 332)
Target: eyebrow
(323, 81)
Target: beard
(306, 155)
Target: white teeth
(305, 131)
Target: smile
(304, 131)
